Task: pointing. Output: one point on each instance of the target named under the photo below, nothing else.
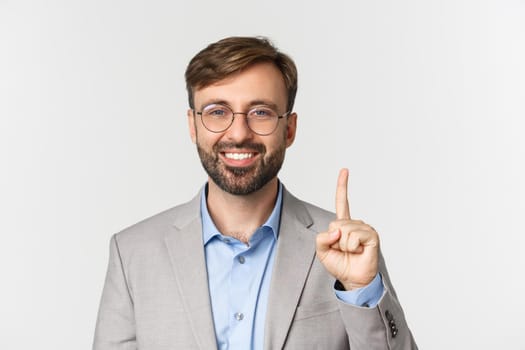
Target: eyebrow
(253, 103)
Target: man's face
(237, 160)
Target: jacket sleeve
(115, 329)
(382, 327)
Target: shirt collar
(209, 230)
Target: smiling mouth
(238, 156)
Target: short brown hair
(233, 54)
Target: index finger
(342, 208)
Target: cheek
(205, 139)
(277, 143)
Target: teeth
(238, 156)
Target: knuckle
(353, 241)
(334, 225)
(345, 241)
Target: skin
(240, 215)
(349, 248)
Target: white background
(422, 100)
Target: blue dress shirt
(239, 278)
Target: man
(246, 265)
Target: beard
(242, 180)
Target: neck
(239, 216)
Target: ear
(191, 125)
(291, 127)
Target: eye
(262, 113)
(216, 111)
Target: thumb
(324, 240)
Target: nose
(239, 130)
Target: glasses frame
(279, 117)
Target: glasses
(262, 120)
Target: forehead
(260, 82)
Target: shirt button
(239, 316)
(242, 259)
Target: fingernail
(334, 233)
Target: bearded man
(245, 264)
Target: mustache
(252, 146)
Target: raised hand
(349, 250)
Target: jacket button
(394, 332)
(391, 323)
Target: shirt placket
(248, 268)
(243, 277)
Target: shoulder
(155, 228)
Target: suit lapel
(294, 256)
(186, 252)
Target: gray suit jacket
(156, 291)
